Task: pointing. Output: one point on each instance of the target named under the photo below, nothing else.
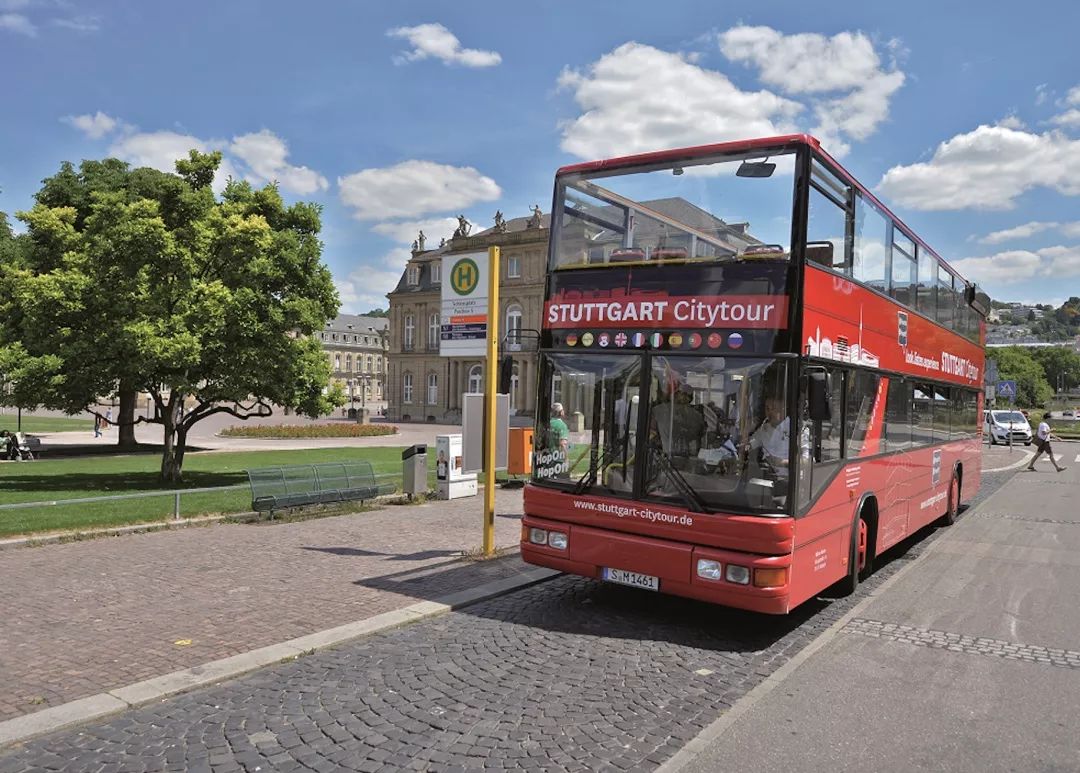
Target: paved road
(85, 617)
(970, 663)
(568, 675)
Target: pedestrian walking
(97, 426)
(1043, 436)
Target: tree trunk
(126, 418)
(170, 461)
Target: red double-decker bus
(754, 377)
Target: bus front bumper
(693, 571)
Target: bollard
(176, 506)
(414, 474)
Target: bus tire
(858, 556)
(953, 506)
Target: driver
(773, 436)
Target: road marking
(1078, 458)
(1027, 455)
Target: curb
(117, 531)
(712, 732)
(76, 712)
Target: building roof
(356, 323)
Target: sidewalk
(967, 661)
(85, 617)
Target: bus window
(870, 254)
(922, 415)
(822, 438)
(719, 427)
(903, 269)
(898, 414)
(862, 391)
(826, 227)
(585, 432)
(927, 289)
(946, 298)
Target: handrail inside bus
(613, 198)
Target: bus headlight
(557, 540)
(710, 570)
(538, 536)
(737, 574)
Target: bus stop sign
(1006, 389)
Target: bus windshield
(707, 209)
(709, 433)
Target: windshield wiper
(693, 501)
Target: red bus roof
(737, 146)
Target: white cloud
(1073, 97)
(1015, 266)
(987, 168)
(1070, 118)
(366, 286)
(845, 66)
(414, 188)
(266, 154)
(638, 98)
(1071, 229)
(435, 40)
(160, 150)
(1063, 261)
(93, 126)
(1042, 93)
(1002, 268)
(1012, 122)
(405, 231)
(1018, 232)
(79, 23)
(16, 22)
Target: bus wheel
(858, 558)
(954, 502)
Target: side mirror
(817, 392)
(506, 373)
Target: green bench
(277, 488)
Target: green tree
(1060, 364)
(1016, 363)
(377, 313)
(143, 280)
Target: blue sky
(397, 116)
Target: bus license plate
(633, 579)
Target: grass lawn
(72, 478)
(32, 424)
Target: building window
(348, 363)
(436, 273)
(412, 275)
(378, 363)
(433, 331)
(335, 336)
(513, 324)
(476, 379)
(406, 388)
(513, 268)
(337, 362)
(432, 389)
(367, 364)
(410, 332)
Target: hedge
(310, 430)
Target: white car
(999, 425)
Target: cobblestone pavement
(568, 675)
(84, 617)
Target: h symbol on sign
(463, 275)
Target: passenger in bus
(679, 425)
(558, 432)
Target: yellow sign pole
(489, 400)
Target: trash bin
(519, 461)
(414, 470)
